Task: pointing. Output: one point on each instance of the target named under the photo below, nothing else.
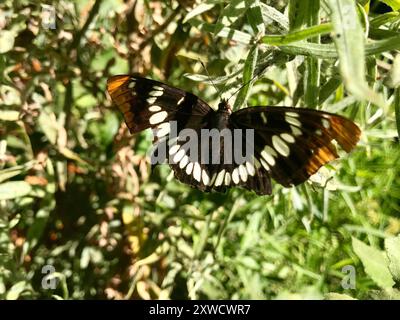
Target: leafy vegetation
(76, 191)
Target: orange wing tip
(321, 157)
(347, 133)
(116, 82)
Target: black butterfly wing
(147, 103)
(293, 143)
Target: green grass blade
(397, 109)
(270, 14)
(248, 74)
(349, 40)
(311, 78)
(278, 40)
(394, 4)
(328, 51)
(203, 7)
(254, 16)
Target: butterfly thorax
(224, 107)
(221, 117)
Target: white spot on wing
(280, 146)
(156, 93)
(189, 168)
(197, 172)
(326, 123)
(184, 162)
(296, 131)
(220, 178)
(264, 164)
(157, 88)
(154, 108)
(268, 154)
(250, 169)
(151, 100)
(264, 117)
(235, 176)
(174, 149)
(180, 101)
(292, 114)
(131, 85)
(158, 117)
(205, 177)
(227, 179)
(163, 129)
(178, 157)
(243, 173)
(287, 137)
(292, 120)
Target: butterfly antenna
(242, 86)
(209, 77)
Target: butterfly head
(224, 107)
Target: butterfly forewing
(150, 104)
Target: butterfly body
(287, 144)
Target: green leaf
(394, 4)
(254, 16)
(9, 115)
(105, 129)
(14, 221)
(220, 30)
(6, 40)
(397, 109)
(85, 258)
(327, 51)
(271, 14)
(203, 7)
(16, 290)
(248, 74)
(278, 40)
(11, 94)
(14, 189)
(8, 173)
(374, 263)
(48, 124)
(233, 11)
(298, 10)
(69, 154)
(392, 246)
(201, 241)
(382, 19)
(387, 294)
(349, 40)
(338, 296)
(37, 228)
(393, 80)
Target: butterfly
(287, 144)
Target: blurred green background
(82, 216)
